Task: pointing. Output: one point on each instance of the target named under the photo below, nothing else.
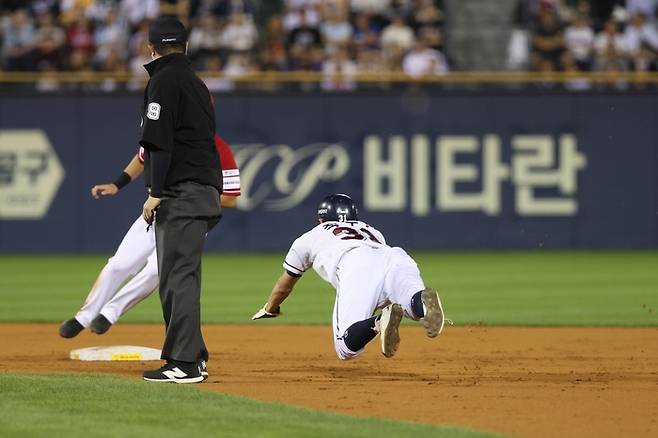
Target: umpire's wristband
(122, 181)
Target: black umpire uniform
(181, 167)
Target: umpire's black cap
(167, 30)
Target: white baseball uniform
(367, 273)
(136, 256)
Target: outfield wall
(432, 172)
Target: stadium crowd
(237, 37)
(586, 35)
(232, 36)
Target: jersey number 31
(348, 233)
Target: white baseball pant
(136, 249)
(369, 279)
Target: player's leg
(136, 246)
(404, 285)
(137, 289)
(360, 282)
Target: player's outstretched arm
(132, 171)
(283, 287)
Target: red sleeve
(230, 171)
(140, 154)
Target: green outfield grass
(510, 288)
(100, 406)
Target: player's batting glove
(262, 313)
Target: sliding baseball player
(136, 255)
(367, 274)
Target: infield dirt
(527, 382)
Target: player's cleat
(175, 372)
(70, 328)
(389, 329)
(434, 318)
(203, 368)
(100, 325)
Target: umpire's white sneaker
(434, 319)
(173, 372)
(203, 369)
(389, 329)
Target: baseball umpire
(181, 167)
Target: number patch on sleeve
(153, 111)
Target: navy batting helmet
(337, 207)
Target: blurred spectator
(575, 8)
(112, 63)
(298, 10)
(79, 61)
(73, 10)
(611, 47)
(547, 42)
(370, 61)
(641, 7)
(214, 81)
(50, 43)
(222, 8)
(266, 10)
(98, 11)
(80, 36)
(308, 59)
(424, 61)
(175, 8)
(109, 36)
(335, 30)
(201, 8)
(240, 34)
(136, 67)
(427, 14)
(138, 40)
(135, 12)
(579, 40)
(645, 59)
(304, 34)
(638, 32)
(238, 65)
(274, 55)
(365, 33)
(41, 7)
(403, 8)
(205, 39)
(19, 42)
(338, 72)
(398, 35)
(518, 52)
(371, 6)
(431, 36)
(576, 83)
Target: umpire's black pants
(186, 213)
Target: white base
(115, 352)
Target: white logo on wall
(467, 174)
(406, 178)
(30, 174)
(295, 173)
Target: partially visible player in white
(136, 255)
(367, 274)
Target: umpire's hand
(150, 206)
